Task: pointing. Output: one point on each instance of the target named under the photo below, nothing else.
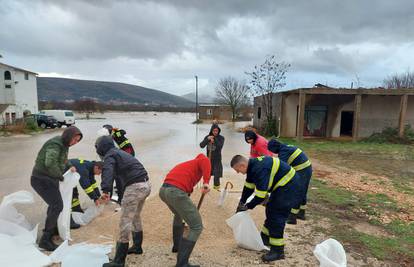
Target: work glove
(266, 200)
(241, 207)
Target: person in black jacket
(214, 142)
(135, 189)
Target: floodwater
(160, 140)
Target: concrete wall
(24, 93)
(378, 112)
(276, 109)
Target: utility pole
(196, 78)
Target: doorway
(347, 123)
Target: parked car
(44, 121)
(64, 117)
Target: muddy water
(161, 140)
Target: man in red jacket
(175, 192)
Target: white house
(18, 93)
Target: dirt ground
(216, 246)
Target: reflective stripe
(249, 185)
(294, 211)
(75, 202)
(285, 179)
(294, 156)
(89, 189)
(94, 185)
(126, 142)
(302, 166)
(265, 230)
(303, 207)
(275, 168)
(81, 160)
(261, 194)
(276, 241)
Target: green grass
(343, 208)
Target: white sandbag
(82, 254)
(21, 234)
(70, 180)
(9, 213)
(15, 254)
(88, 215)
(102, 132)
(245, 232)
(330, 253)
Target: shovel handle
(201, 200)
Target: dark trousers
(278, 208)
(48, 190)
(305, 177)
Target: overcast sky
(163, 44)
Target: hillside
(202, 98)
(62, 89)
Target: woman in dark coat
(214, 142)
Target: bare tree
(399, 81)
(232, 92)
(267, 79)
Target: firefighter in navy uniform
(266, 175)
(296, 158)
(87, 171)
(118, 135)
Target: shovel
(224, 193)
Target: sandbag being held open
(245, 231)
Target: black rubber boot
(265, 239)
(120, 256)
(301, 215)
(177, 236)
(46, 242)
(275, 253)
(291, 219)
(186, 247)
(137, 245)
(73, 225)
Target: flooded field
(161, 140)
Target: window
(259, 112)
(69, 114)
(26, 76)
(7, 75)
(209, 111)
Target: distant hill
(62, 89)
(202, 98)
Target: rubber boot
(120, 256)
(73, 225)
(177, 236)
(265, 239)
(291, 219)
(137, 245)
(301, 215)
(46, 242)
(275, 253)
(186, 247)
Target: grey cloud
(171, 40)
